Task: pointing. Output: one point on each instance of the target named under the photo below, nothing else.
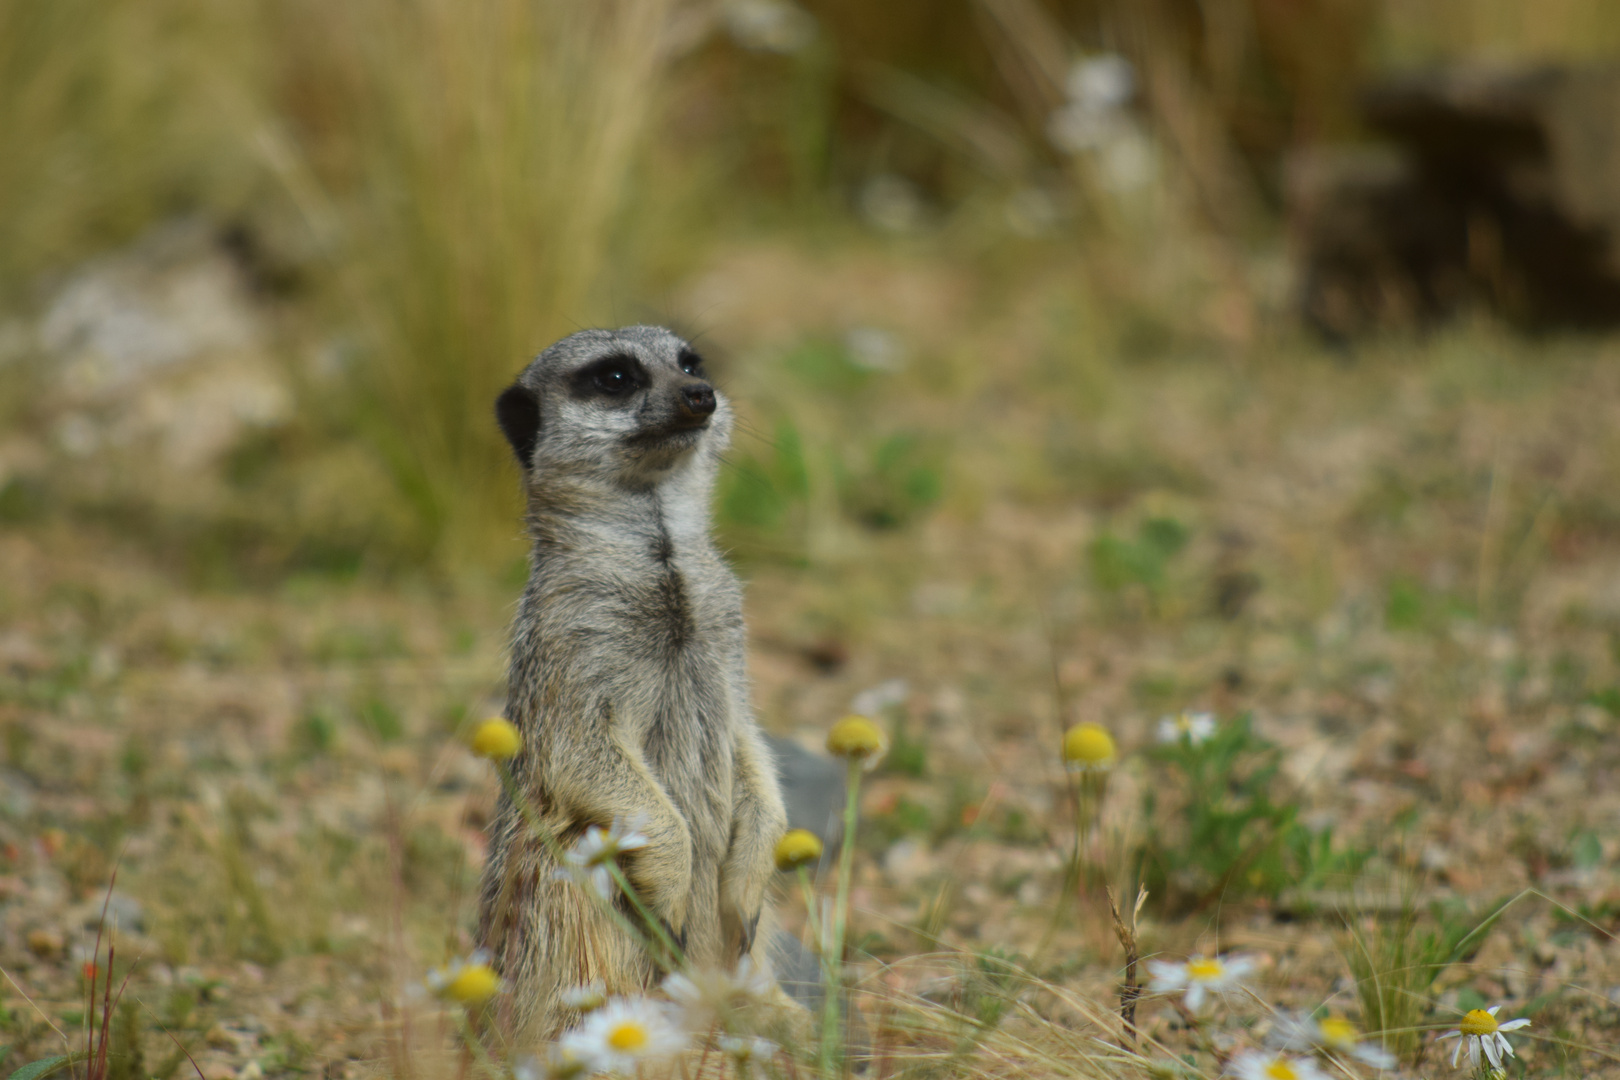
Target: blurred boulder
(159, 349)
(1497, 187)
(813, 790)
(813, 787)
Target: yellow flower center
(1338, 1033)
(1088, 744)
(1281, 1069)
(1478, 1022)
(628, 1037)
(854, 737)
(1202, 970)
(497, 739)
(798, 847)
(473, 984)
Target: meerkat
(627, 677)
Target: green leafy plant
(894, 482)
(770, 497)
(112, 1031)
(1397, 958)
(1235, 832)
(1137, 570)
(761, 502)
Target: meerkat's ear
(518, 412)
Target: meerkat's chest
(661, 646)
(683, 611)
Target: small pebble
(45, 943)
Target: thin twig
(1131, 989)
(36, 1008)
(182, 1048)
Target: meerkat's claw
(677, 936)
(750, 930)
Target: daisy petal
(1239, 966)
(1166, 976)
(1375, 1056)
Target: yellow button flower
(497, 739)
(1089, 748)
(858, 739)
(474, 985)
(470, 981)
(798, 847)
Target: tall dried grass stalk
(114, 113)
(493, 145)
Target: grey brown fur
(627, 676)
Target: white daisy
(1480, 1032)
(1200, 976)
(600, 846)
(622, 1034)
(586, 998)
(1255, 1065)
(747, 1053)
(586, 863)
(469, 980)
(1194, 727)
(1331, 1035)
(597, 881)
(705, 993)
(560, 1064)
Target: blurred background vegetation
(1036, 426)
(415, 197)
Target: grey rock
(16, 795)
(813, 789)
(124, 912)
(798, 970)
(1495, 185)
(159, 348)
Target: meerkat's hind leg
(570, 942)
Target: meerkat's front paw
(742, 898)
(662, 878)
(746, 875)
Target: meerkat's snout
(694, 404)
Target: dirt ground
(1404, 564)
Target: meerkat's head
(630, 406)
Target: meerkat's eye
(613, 376)
(614, 380)
(691, 363)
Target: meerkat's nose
(697, 400)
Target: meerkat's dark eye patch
(517, 410)
(692, 364)
(612, 376)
